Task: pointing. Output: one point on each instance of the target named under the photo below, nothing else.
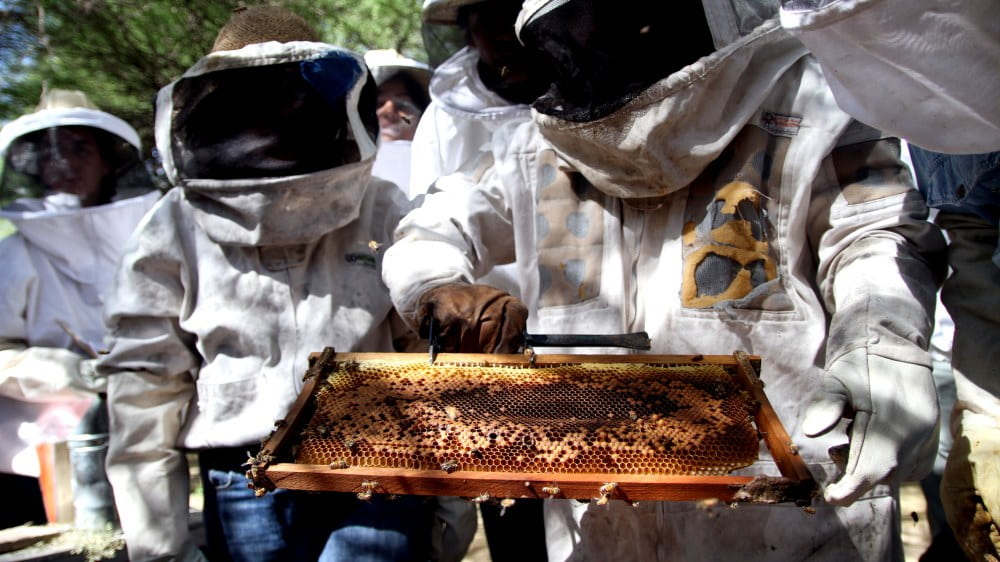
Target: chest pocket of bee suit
(570, 231)
(729, 261)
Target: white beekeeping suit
(924, 70)
(725, 204)
(483, 86)
(234, 279)
(58, 268)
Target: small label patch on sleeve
(361, 259)
(780, 125)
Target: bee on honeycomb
(611, 418)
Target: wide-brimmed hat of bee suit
(22, 139)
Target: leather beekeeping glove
(473, 318)
(895, 420)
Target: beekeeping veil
(272, 138)
(25, 141)
(646, 94)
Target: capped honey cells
(612, 418)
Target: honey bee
(606, 490)
(708, 503)
(504, 504)
(367, 487)
(484, 497)
(374, 245)
(449, 466)
(339, 464)
(451, 411)
(552, 490)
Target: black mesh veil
(605, 53)
(21, 176)
(269, 121)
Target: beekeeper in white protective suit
(268, 249)
(937, 65)
(711, 193)
(402, 98)
(484, 85)
(74, 185)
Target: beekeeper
(482, 86)
(73, 184)
(402, 98)
(487, 84)
(714, 196)
(268, 248)
(937, 82)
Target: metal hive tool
(632, 427)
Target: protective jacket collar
(457, 88)
(84, 244)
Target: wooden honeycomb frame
(276, 465)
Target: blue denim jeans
(303, 526)
(967, 184)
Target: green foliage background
(121, 52)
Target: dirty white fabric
(674, 129)
(802, 198)
(456, 132)
(57, 272)
(458, 125)
(924, 70)
(392, 163)
(223, 293)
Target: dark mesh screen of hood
(21, 173)
(261, 122)
(606, 53)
